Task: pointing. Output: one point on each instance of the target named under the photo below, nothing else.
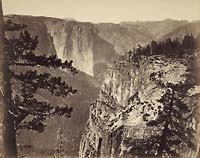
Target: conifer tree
(59, 152)
(188, 44)
(176, 132)
(197, 42)
(20, 53)
(173, 128)
(154, 48)
(7, 131)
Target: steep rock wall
(126, 94)
(80, 42)
(74, 41)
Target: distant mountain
(121, 37)
(69, 19)
(193, 28)
(126, 35)
(155, 29)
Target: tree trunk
(7, 132)
(163, 138)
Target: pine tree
(188, 44)
(148, 49)
(197, 42)
(20, 53)
(177, 50)
(175, 131)
(154, 48)
(7, 133)
(139, 49)
(173, 127)
(59, 152)
(169, 47)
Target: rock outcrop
(74, 41)
(127, 100)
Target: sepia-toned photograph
(99, 78)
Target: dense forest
(169, 47)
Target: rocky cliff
(80, 42)
(128, 99)
(73, 41)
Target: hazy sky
(106, 10)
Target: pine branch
(29, 113)
(39, 112)
(20, 52)
(11, 26)
(55, 85)
(31, 59)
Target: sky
(106, 10)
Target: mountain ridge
(190, 28)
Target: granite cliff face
(80, 42)
(126, 95)
(74, 41)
